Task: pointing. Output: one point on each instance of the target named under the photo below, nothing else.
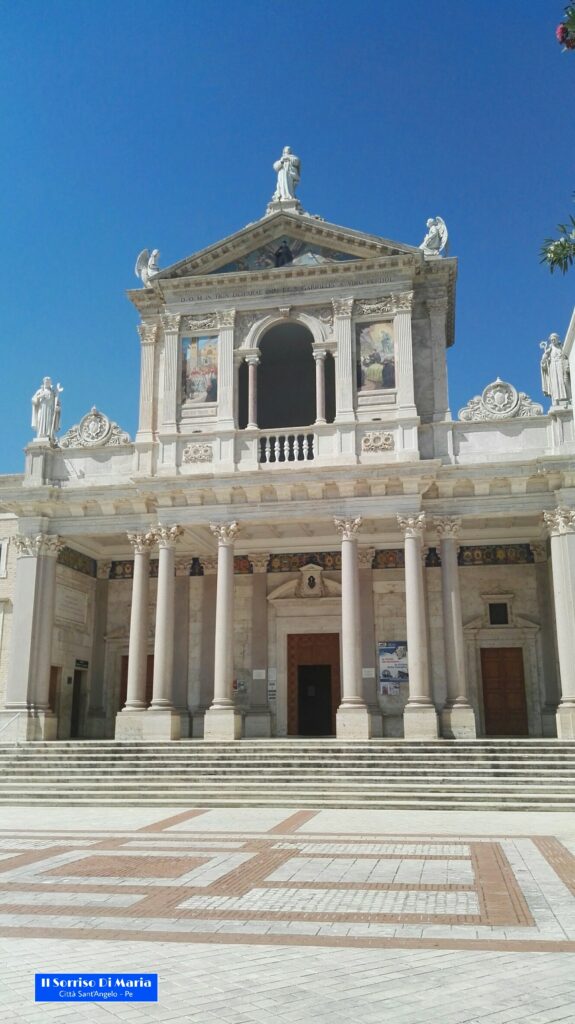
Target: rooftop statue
(288, 172)
(555, 371)
(147, 266)
(46, 410)
(435, 240)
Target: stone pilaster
(437, 304)
(560, 523)
(420, 716)
(226, 321)
(162, 719)
(148, 332)
(404, 355)
(222, 722)
(344, 366)
(171, 378)
(28, 689)
(353, 720)
(457, 717)
(258, 717)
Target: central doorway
(313, 683)
(504, 700)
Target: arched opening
(286, 378)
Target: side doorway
(314, 691)
(504, 700)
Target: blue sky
(128, 125)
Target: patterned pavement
(264, 914)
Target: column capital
(225, 532)
(412, 526)
(402, 302)
(252, 359)
(209, 565)
(171, 322)
(259, 562)
(166, 536)
(226, 318)
(539, 551)
(342, 307)
(148, 332)
(365, 557)
(447, 527)
(348, 527)
(559, 521)
(142, 541)
(319, 354)
(40, 544)
(103, 570)
(183, 566)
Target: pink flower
(561, 33)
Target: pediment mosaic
(285, 251)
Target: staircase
(383, 773)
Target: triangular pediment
(284, 239)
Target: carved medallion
(499, 401)
(94, 430)
(377, 441)
(197, 452)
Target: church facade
(301, 540)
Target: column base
(353, 723)
(549, 721)
(376, 720)
(257, 724)
(153, 724)
(458, 722)
(566, 722)
(420, 722)
(222, 725)
(23, 726)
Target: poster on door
(393, 670)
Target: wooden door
(504, 700)
(124, 680)
(312, 649)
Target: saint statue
(436, 238)
(555, 371)
(46, 410)
(288, 172)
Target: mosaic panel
(495, 554)
(79, 562)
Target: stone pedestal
(565, 718)
(22, 726)
(222, 724)
(420, 722)
(458, 722)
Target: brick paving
(265, 914)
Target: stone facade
(296, 472)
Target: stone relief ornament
(499, 401)
(374, 307)
(94, 430)
(342, 307)
(322, 313)
(147, 266)
(200, 322)
(555, 379)
(226, 318)
(348, 527)
(435, 240)
(377, 441)
(197, 452)
(412, 526)
(41, 544)
(46, 410)
(560, 520)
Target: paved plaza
(263, 915)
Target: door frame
(523, 634)
(312, 649)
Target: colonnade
(27, 696)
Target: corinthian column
(222, 721)
(457, 717)
(162, 720)
(28, 686)
(560, 524)
(353, 720)
(129, 723)
(419, 716)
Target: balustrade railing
(287, 447)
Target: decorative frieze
(103, 570)
(209, 564)
(183, 566)
(365, 557)
(499, 401)
(412, 526)
(95, 430)
(78, 561)
(197, 452)
(259, 562)
(199, 322)
(559, 521)
(40, 544)
(375, 441)
(495, 554)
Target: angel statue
(435, 240)
(46, 410)
(288, 172)
(555, 371)
(147, 266)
